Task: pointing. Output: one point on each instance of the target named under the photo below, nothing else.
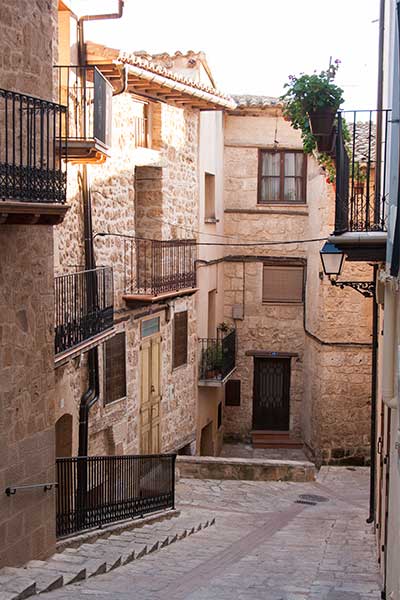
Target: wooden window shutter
(180, 339)
(232, 392)
(283, 283)
(115, 368)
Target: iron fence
(31, 169)
(83, 306)
(217, 356)
(361, 171)
(88, 96)
(154, 267)
(96, 490)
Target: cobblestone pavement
(264, 546)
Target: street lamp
(332, 259)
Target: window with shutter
(282, 176)
(283, 283)
(114, 368)
(180, 339)
(232, 392)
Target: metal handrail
(12, 490)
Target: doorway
(150, 396)
(271, 394)
(64, 436)
(206, 440)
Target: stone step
(45, 581)
(17, 587)
(90, 559)
(113, 556)
(93, 567)
(70, 573)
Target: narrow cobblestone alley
(264, 545)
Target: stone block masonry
(28, 51)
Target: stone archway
(64, 436)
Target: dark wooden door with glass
(271, 394)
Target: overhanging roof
(155, 82)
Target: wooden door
(150, 396)
(382, 515)
(271, 394)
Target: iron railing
(31, 169)
(217, 356)
(88, 96)
(360, 171)
(83, 306)
(154, 267)
(95, 490)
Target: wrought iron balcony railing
(360, 171)
(154, 267)
(95, 490)
(31, 169)
(88, 96)
(83, 306)
(217, 357)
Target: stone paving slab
(264, 546)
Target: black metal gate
(95, 490)
(271, 394)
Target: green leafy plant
(306, 94)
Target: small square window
(232, 392)
(282, 177)
(219, 415)
(114, 368)
(150, 326)
(180, 339)
(209, 197)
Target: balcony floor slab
(151, 298)
(15, 212)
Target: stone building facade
(138, 194)
(28, 50)
(321, 338)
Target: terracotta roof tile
(133, 59)
(251, 101)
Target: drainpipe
(389, 353)
(91, 395)
(375, 313)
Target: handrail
(12, 490)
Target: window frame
(281, 152)
(181, 364)
(105, 395)
(286, 265)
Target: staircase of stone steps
(274, 439)
(91, 559)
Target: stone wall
(329, 333)
(131, 199)
(28, 51)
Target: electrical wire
(236, 245)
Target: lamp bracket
(366, 288)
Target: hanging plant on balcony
(310, 103)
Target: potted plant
(310, 103)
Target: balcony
(361, 190)
(88, 97)
(83, 309)
(217, 359)
(33, 179)
(156, 270)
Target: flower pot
(321, 121)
